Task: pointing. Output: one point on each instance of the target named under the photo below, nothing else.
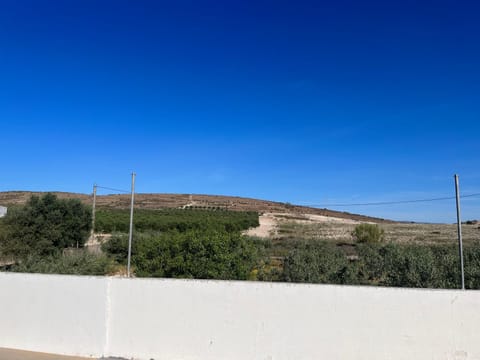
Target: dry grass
(399, 232)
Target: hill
(162, 201)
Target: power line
(470, 195)
(394, 202)
(112, 189)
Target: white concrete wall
(53, 313)
(3, 211)
(166, 319)
(188, 319)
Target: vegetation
(368, 233)
(414, 233)
(197, 254)
(109, 220)
(208, 244)
(44, 226)
(317, 262)
(169, 243)
(81, 263)
(400, 265)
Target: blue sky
(305, 102)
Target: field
(314, 249)
(288, 226)
(341, 231)
(278, 220)
(180, 201)
(205, 239)
(117, 220)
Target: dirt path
(268, 226)
(270, 222)
(10, 354)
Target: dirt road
(10, 354)
(270, 223)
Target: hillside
(160, 201)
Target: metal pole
(459, 228)
(131, 226)
(93, 209)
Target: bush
(410, 266)
(371, 264)
(368, 233)
(472, 266)
(46, 225)
(318, 262)
(399, 265)
(74, 264)
(192, 254)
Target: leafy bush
(192, 254)
(75, 264)
(317, 262)
(368, 233)
(410, 265)
(399, 265)
(371, 264)
(45, 225)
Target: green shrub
(371, 264)
(318, 262)
(368, 233)
(45, 225)
(399, 265)
(81, 263)
(472, 266)
(192, 254)
(410, 266)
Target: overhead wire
(351, 204)
(393, 202)
(112, 189)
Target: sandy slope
(269, 222)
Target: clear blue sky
(305, 102)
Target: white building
(3, 211)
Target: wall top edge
(231, 283)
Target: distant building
(3, 211)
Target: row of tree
(117, 220)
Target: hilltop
(162, 201)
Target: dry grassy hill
(279, 220)
(161, 201)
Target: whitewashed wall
(53, 313)
(189, 319)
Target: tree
(46, 225)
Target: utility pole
(131, 226)
(459, 229)
(93, 210)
